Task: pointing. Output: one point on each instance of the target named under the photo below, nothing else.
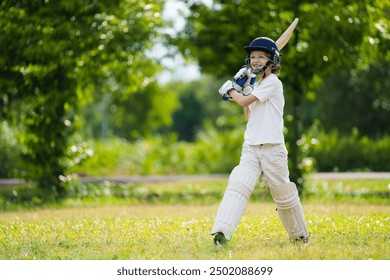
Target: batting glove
(247, 90)
(225, 88)
(244, 77)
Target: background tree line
(74, 71)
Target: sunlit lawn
(128, 229)
(161, 231)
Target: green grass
(173, 221)
(339, 231)
(348, 189)
(161, 230)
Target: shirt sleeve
(265, 90)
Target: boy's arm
(247, 112)
(242, 100)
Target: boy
(263, 152)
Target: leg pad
(290, 210)
(241, 183)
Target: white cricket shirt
(265, 124)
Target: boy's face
(258, 59)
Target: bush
(213, 152)
(332, 152)
(219, 151)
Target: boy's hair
(276, 69)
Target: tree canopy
(56, 56)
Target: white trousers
(269, 161)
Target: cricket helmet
(267, 45)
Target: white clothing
(263, 154)
(268, 161)
(265, 124)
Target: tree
(350, 100)
(55, 55)
(139, 115)
(331, 36)
(199, 107)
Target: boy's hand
(225, 88)
(244, 78)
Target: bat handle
(225, 97)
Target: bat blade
(283, 39)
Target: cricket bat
(283, 39)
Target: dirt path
(175, 178)
(352, 175)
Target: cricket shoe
(302, 240)
(220, 239)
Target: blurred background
(130, 87)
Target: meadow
(347, 219)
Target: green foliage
(131, 117)
(75, 67)
(335, 152)
(9, 151)
(213, 153)
(353, 99)
(188, 120)
(54, 56)
(217, 151)
(216, 39)
(201, 106)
